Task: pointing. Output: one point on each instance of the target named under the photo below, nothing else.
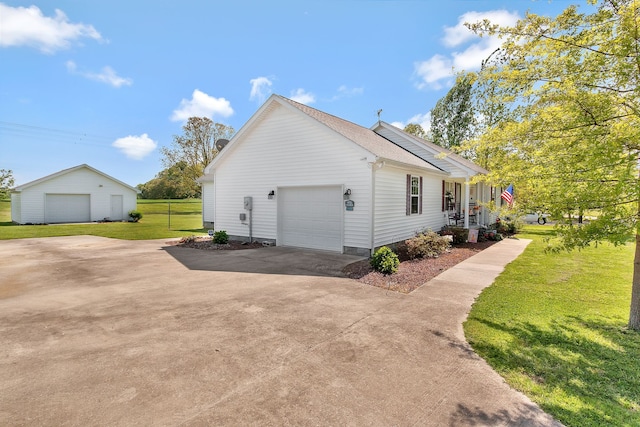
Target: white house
(297, 176)
(78, 194)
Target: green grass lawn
(554, 326)
(186, 219)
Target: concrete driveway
(96, 331)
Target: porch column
(466, 202)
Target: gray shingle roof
(447, 153)
(364, 137)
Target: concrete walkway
(475, 394)
(97, 331)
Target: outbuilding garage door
(67, 208)
(310, 217)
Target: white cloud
(299, 95)
(107, 75)
(347, 92)
(472, 57)
(135, 147)
(460, 34)
(260, 89)
(438, 70)
(424, 120)
(27, 26)
(201, 105)
(433, 70)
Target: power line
(52, 134)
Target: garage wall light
(271, 194)
(347, 194)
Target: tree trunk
(634, 315)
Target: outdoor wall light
(271, 194)
(347, 194)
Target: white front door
(116, 208)
(310, 217)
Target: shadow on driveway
(269, 260)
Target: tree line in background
(186, 159)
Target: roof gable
(367, 139)
(67, 171)
(417, 145)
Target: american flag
(507, 195)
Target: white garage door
(67, 208)
(310, 217)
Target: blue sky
(108, 83)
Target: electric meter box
(248, 203)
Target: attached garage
(78, 194)
(67, 208)
(311, 217)
(321, 182)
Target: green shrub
(491, 234)
(427, 245)
(507, 227)
(135, 215)
(385, 261)
(220, 237)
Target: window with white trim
(415, 195)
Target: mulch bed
(206, 243)
(413, 273)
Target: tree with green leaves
(416, 130)
(171, 183)
(196, 147)
(453, 118)
(569, 134)
(6, 182)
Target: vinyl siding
(286, 149)
(16, 208)
(392, 224)
(82, 181)
(208, 200)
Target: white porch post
(481, 203)
(466, 202)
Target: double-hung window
(414, 195)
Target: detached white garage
(78, 194)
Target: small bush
(507, 227)
(385, 261)
(427, 245)
(135, 215)
(220, 237)
(491, 235)
(459, 234)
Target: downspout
(373, 167)
(215, 199)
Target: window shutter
(443, 201)
(420, 198)
(408, 194)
